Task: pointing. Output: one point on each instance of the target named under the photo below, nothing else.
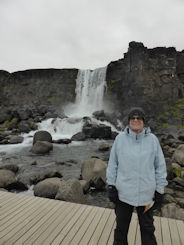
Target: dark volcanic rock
(42, 136)
(146, 77)
(38, 86)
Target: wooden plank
(35, 223)
(63, 222)
(99, 229)
(21, 220)
(83, 229)
(174, 232)
(87, 236)
(138, 236)
(158, 233)
(180, 227)
(165, 231)
(69, 225)
(43, 231)
(74, 230)
(63, 212)
(107, 229)
(10, 203)
(15, 214)
(111, 237)
(132, 229)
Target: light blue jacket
(137, 167)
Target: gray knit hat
(136, 111)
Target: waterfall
(90, 86)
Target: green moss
(7, 123)
(178, 172)
(14, 120)
(173, 112)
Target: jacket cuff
(160, 190)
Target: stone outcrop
(151, 78)
(37, 86)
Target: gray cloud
(83, 33)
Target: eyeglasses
(134, 118)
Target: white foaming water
(61, 128)
(90, 87)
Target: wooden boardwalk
(32, 220)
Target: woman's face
(136, 123)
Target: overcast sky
(84, 34)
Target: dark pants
(123, 217)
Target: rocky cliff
(152, 78)
(37, 86)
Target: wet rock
(99, 114)
(94, 171)
(42, 136)
(169, 199)
(179, 194)
(62, 141)
(47, 188)
(24, 127)
(97, 131)
(85, 186)
(12, 167)
(113, 135)
(104, 147)
(39, 176)
(7, 178)
(180, 202)
(78, 137)
(179, 181)
(16, 139)
(172, 210)
(42, 147)
(178, 155)
(71, 191)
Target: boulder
(85, 186)
(42, 147)
(97, 131)
(71, 191)
(62, 141)
(4, 116)
(104, 147)
(178, 155)
(39, 176)
(172, 210)
(42, 136)
(24, 127)
(180, 202)
(12, 167)
(179, 181)
(7, 178)
(94, 171)
(16, 139)
(24, 113)
(78, 137)
(47, 188)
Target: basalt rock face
(38, 86)
(151, 78)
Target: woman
(136, 176)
